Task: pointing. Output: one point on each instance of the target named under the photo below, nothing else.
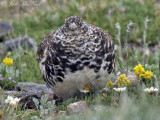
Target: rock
(22, 41)
(29, 90)
(27, 102)
(77, 107)
(32, 88)
(116, 99)
(133, 78)
(11, 92)
(5, 28)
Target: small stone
(5, 28)
(27, 102)
(20, 42)
(116, 99)
(11, 92)
(133, 78)
(77, 107)
(33, 88)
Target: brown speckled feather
(44, 43)
(74, 55)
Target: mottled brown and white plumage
(75, 55)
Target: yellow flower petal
(138, 70)
(148, 75)
(8, 61)
(122, 81)
(87, 87)
(110, 84)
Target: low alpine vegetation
(134, 92)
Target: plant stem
(126, 47)
(128, 28)
(159, 68)
(147, 21)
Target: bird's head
(74, 24)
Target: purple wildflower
(1, 78)
(82, 10)
(122, 9)
(110, 12)
(9, 78)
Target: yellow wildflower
(147, 75)
(87, 87)
(122, 81)
(128, 82)
(8, 61)
(110, 84)
(138, 70)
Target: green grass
(28, 67)
(37, 22)
(128, 108)
(42, 20)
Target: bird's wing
(109, 52)
(44, 43)
(105, 48)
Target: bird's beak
(73, 26)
